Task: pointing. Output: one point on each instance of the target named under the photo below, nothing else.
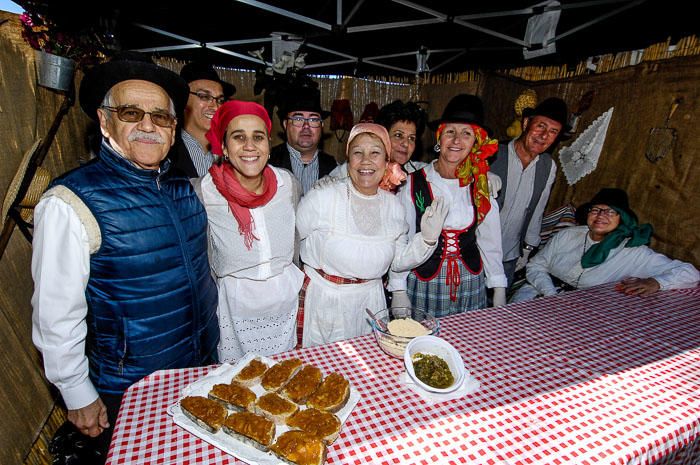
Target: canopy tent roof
(370, 37)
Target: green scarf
(638, 234)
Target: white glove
(495, 183)
(327, 180)
(499, 296)
(400, 299)
(522, 261)
(433, 219)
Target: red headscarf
(474, 168)
(239, 199)
(224, 115)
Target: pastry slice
(275, 407)
(204, 412)
(331, 395)
(278, 375)
(251, 373)
(302, 384)
(323, 425)
(299, 448)
(233, 396)
(252, 429)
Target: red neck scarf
(240, 200)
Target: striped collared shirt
(201, 159)
(306, 173)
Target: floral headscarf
(474, 168)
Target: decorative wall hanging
(341, 117)
(662, 141)
(581, 157)
(527, 99)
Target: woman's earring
(225, 157)
(437, 148)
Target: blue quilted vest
(151, 298)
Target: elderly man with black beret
(122, 285)
(527, 172)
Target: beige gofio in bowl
(395, 327)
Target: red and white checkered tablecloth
(587, 377)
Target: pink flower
(393, 177)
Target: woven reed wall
(360, 92)
(663, 193)
(26, 112)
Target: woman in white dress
(250, 207)
(351, 232)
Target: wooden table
(587, 377)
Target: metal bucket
(53, 71)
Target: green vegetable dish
(432, 370)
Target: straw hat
(39, 183)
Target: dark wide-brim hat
(610, 196)
(199, 70)
(100, 79)
(463, 108)
(553, 108)
(301, 99)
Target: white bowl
(435, 346)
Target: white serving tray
(225, 442)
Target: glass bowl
(396, 345)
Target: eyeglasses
(401, 137)
(130, 114)
(298, 121)
(609, 212)
(208, 98)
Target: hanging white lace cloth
(581, 157)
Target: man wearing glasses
(302, 119)
(122, 284)
(192, 154)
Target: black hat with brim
(100, 79)
(610, 196)
(198, 70)
(301, 99)
(462, 108)
(553, 108)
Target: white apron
(258, 288)
(347, 234)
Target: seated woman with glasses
(250, 208)
(611, 247)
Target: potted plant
(58, 51)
